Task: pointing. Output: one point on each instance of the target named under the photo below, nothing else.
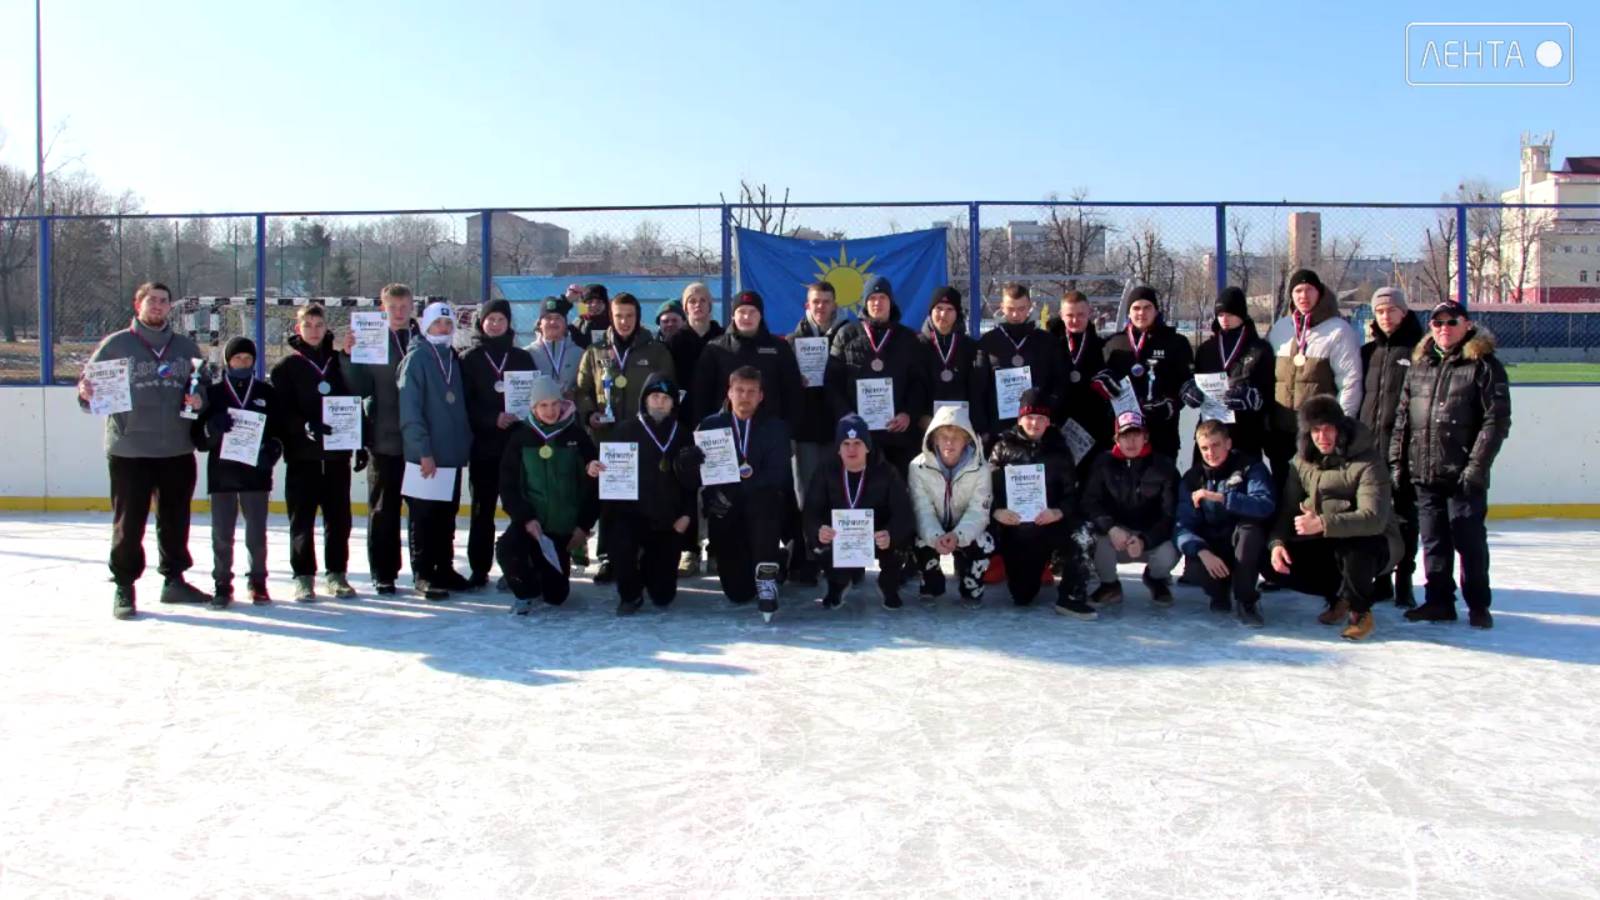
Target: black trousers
(528, 573)
(170, 480)
(740, 540)
(1027, 549)
(385, 474)
(1405, 512)
(307, 487)
(891, 570)
(643, 558)
(484, 477)
(1278, 448)
(431, 527)
(1452, 524)
(1337, 568)
(971, 562)
(1242, 552)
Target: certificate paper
(1008, 387)
(343, 415)
(112, 392)
(875, 402)
(1025, 491)
(372, 338)
(519, 392)
(620, 480)
(812, 354)
(722, 461)
(853, 547)
(1080, 442)
(242, 443)
(442, 486)
(1127, 401)
(1215, 386)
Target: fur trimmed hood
(1479, 344)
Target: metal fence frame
(45, 225)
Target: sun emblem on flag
(846, 275)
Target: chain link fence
(1532, 275)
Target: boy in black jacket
(857, 479)
(494, 352)
(1132, 502)
(877, 348)
(234, 485)
(548, 494)
(1026, 545)
(314, 477)
(645, 534)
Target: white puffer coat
(971, 495)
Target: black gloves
(361, 459)
(1192, 395)
(1242, 397)
(716, 503)
(1106, 386)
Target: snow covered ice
(404, 749)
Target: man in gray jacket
(380, 395)
(148, 448)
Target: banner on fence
(779, 268)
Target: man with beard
(1236, 350)
(883, 358)
(669, 318)
(1156, 360)
(378, 387)
(314, 477)
(148, 449)
(611, 380)
(1385, 362)
(493, 353)
(1454, 413)
(1017, 342)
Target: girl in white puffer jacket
(952, 496)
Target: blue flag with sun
(779, 268)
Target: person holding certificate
(240, 430)
(149, 451)
(493, 353)
(1035, 486)
(952, 495)
(743, 516)
(857, 508)
(1156, 361)
(646, 531)
(314, 476)
(438, 443)
(380, 396)
(885, 372)
(821, 405)
(950, 352)
(1015, 355)
(1132, 502)
(1084, 357)
(549, 497)
(1236, 351)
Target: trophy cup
(196, 373)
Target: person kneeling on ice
(745, 518)
(1026, 544)
(1336, 532)
(952, 496)
(1131, 500)
(646, 533)
(545, 490)
(1225, 506)
(858, 480)
(236, 486)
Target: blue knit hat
(852, 427)
(878, 285)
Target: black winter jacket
(1454, 412)
(225, 476)
(1385, 362)
(1139, 494)
(1086, 356)
(664, 496)
(1168, 361)
(962, 351)
(484, 403)
(998, 349)
(903, 361)
(1252, 366)
(780, 374)
(686, 346)
(884, 493)
(294, 379)
(821, 407)
(1014, 448)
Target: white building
(1551, 255)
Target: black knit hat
(1033, 403)
(750, 298)
(674, 307)
(555, 305)
(852, 427)
(1143, 292)
(240, 344)
(878, 285)
(595, 292)
(489, 307)
(657, 383)
(1232, 301)
(947, 295)
(1306, 276)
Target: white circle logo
(1548, 53)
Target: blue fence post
(1222, 248)
(487, 235)
(727, 262)
(1461, 255)
(261, 296)
(47, 349)
(974, 275)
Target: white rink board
(402, 749)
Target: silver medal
(499, 387)
(449, 396)
(324, 388)
(1017, 360)
(947, 375)
(877, 365)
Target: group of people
(1031, 455)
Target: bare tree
(1240, 260)
(1438, 259)
(1521, 229)
(1074, 236)
(759, 208)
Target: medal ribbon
(1076, 352)
(876, 345)
(247, 391)
(944, 355)
(1222, 341)
(322, 370)
(1138, 343)
(743, 441)
(660, 445)
(448, 371)
(1302, 336)
(160, 355)
(855, 498)
(555, 362)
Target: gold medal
(620, 381)
(1299, 360)
(546, 452)
(666, 466)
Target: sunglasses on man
(1445, 323)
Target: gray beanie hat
(545, 388)
(1386, 296)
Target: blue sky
(301, 105)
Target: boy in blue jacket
(436, 437)
(1224, 504)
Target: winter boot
(1250, 614)
(1359, 628)
(338, 585)
(430, 591)
(222, 596)
(122, 604)
(1160, 591)
(176, 590)
(626, 607)
(304, 590)
(603, 573)
(1431, 611)
(258, 592)
(1480, 618)
(1076, 607)
(1108, 594)
(1338, 611)
(1219, 599)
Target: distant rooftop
(1581, 165)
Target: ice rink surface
(406, 749)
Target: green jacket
(553, 490)
(646, 356)
(1349, 488)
